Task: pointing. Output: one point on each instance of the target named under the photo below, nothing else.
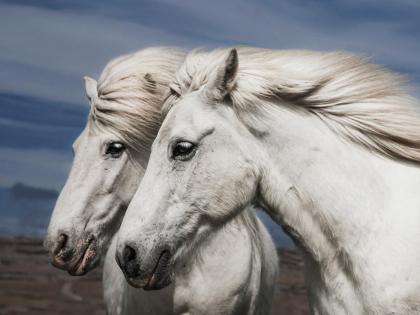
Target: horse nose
(60, 252)
(127, 260)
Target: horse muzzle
(154, 271)
(78, 259)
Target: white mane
(360, 101)
(129, 94)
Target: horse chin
(88, 260)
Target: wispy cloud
(54, 44)
(386, 32)
(49, 51)
(40, 168)
(33, 123)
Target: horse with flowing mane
(232, 269)
(327, 143)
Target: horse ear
(224, 79)
(91, 87)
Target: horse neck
(238, 239)
(245, 250)
(340, 203)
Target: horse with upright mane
(327, 143)
(232, 269)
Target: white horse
(233, 270)
(327, 143)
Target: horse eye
(115, 149)
(183, 150)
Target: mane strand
(130, 91)
(363, 102)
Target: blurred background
(47, 46)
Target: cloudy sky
(47, 46)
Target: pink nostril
(60, 244)
(59, 255)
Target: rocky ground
(29, 285)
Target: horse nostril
(128, 254)
(60, 244)
(127, 261)
(60, 254)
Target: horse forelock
(130, 92)
(363, 102)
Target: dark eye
(183, 150)
(115, 149)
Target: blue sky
(47, 46)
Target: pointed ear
(91, 87)
(224, 78)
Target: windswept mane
(361, 101)
(128, 96)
